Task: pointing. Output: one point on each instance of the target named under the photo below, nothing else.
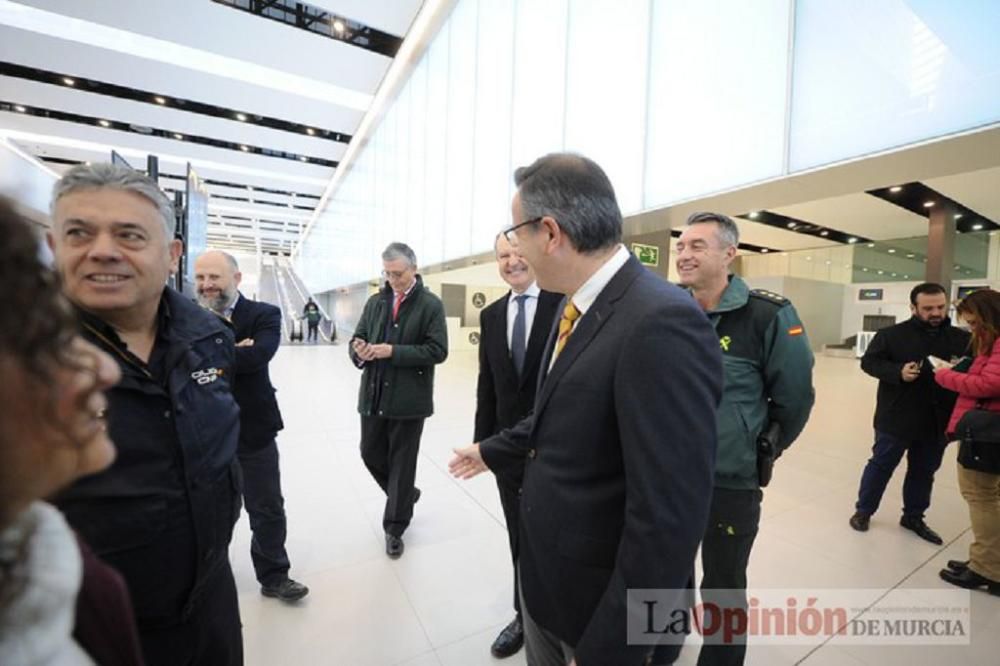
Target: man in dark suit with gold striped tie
(618, 454)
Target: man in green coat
(767, 388)
(399, 339)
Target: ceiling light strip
(106, 148)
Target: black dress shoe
(970, 580)
(393, 546)
(919, 527)
(287, 590)
(958, 566)
(860, 521)
(510, 639)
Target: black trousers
(389, 449)
(212, 635)
(313, 330)
(266, 508)
(510, 500)
(733, 521)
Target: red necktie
(395, 305)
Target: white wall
(26, 181)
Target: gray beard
(217, 304)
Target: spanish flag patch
(795, 330)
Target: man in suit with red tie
(257, 327)
(513, 331)
(618, 454)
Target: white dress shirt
(530, 306)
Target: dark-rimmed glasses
(511, 233)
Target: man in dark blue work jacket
(163, 513)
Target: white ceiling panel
(55, 55)
(978, 190)
(860, 214)
(217, 29)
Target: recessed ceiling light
(241, 116)
(244, 148)
(291, 206)
(957, 267)
(338, 25)
(294, 195)
(828, 262)
(865, 270)
(791, 225)
(824, 233)
(871, 244)
(896, 188)
(303, 158)
(892, 250)
(977, 227)
(68, 81)
(753, 214)
(852, 240)
(104, 123)
(160, 100)
(910, 256)
(19, 108)
(310, 131)
(906, 277)
(958, 216)
(809, 258)
(928, 204)
(881, 272)
(893, 275)
(764, 250)
(177, 135)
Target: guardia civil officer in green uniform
(767, 391)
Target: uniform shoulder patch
(770, 296)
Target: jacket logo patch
(795, 330)
(206, 376)
(724, 342)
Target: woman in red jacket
(978, 388)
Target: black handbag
(978, 432)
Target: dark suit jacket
(260, 418)
(620, 453)
(503, 398)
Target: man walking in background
(312, 316)
(258, 334)
(912, 410)
(399, 339)
(513, 331)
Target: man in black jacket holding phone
(912, 411)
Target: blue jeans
(923, 458)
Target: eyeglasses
(395, 275)
(511, 233)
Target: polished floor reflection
(445, 600)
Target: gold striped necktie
(569, 316)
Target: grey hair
(394, 251)
(577, 193)
(113, 176)
(727, 232)
(235, 265)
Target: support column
(941, 246)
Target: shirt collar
(227, 311)
(595, 284)
(532, 291)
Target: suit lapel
(501, 338)
(546, 304)
(586, 329)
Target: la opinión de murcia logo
(207, 376)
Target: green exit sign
(648, 255)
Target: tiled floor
(445, 600)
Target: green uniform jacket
(768, 377)
(401, 387)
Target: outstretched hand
(467, 462)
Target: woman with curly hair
(58, 603)
(979, 388)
